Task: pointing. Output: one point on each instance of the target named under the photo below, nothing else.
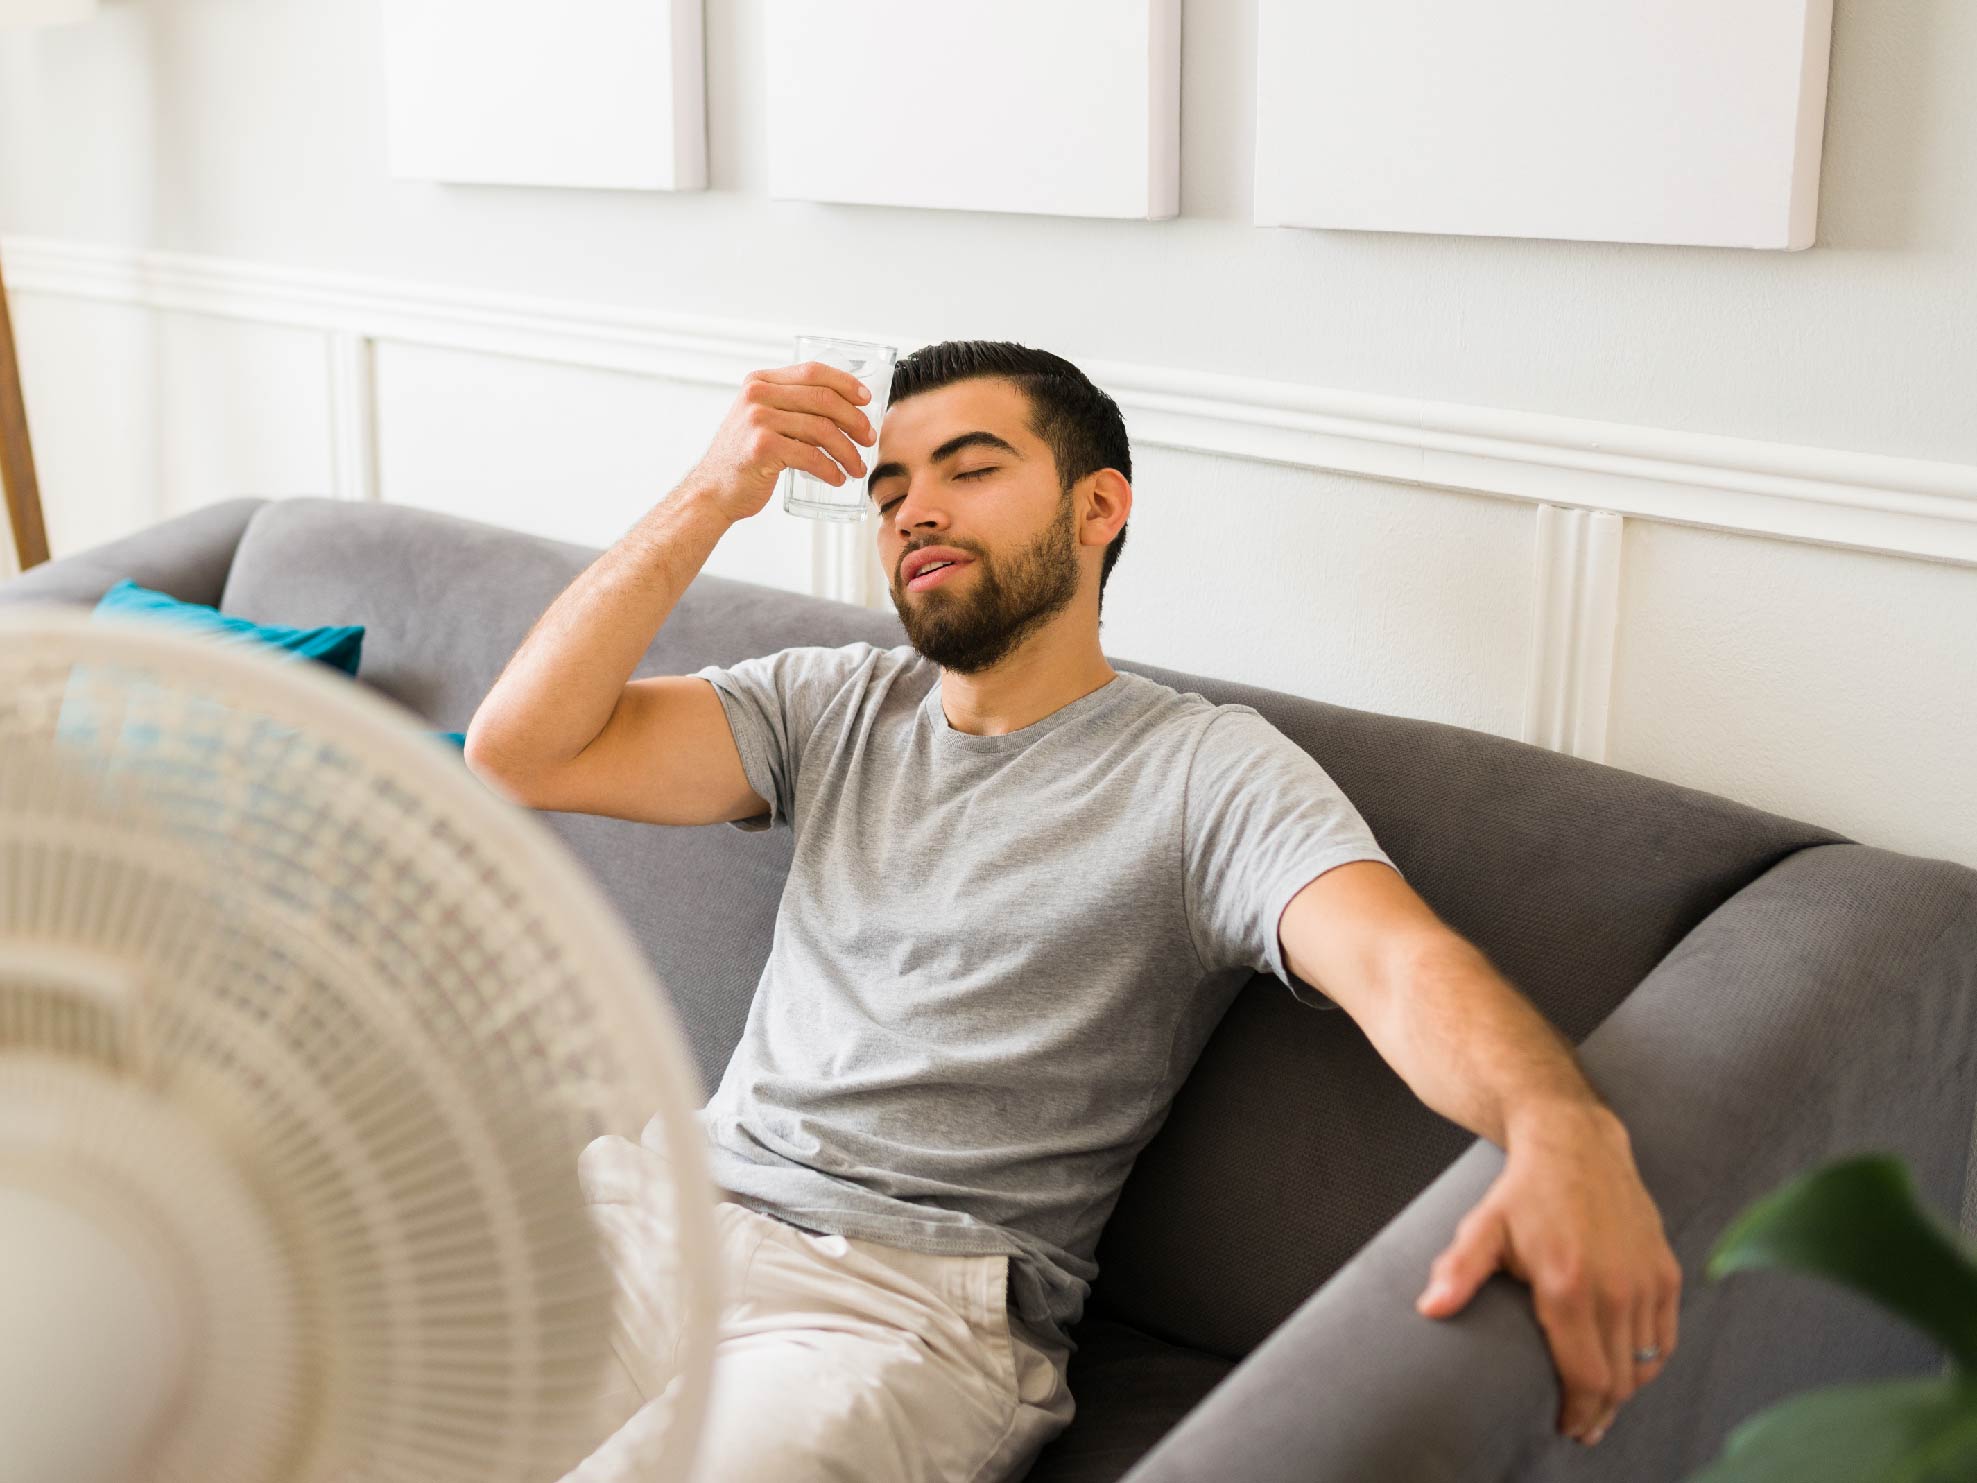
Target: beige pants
(836, 1358)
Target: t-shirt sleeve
(774, 702)
(1262, 821)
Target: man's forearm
(1475, 1050)
(564, 681)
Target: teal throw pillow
(113, 730)
(187, 784)
(338, 645)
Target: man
(1025, 888)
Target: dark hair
(1079, 423)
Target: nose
(909, 515)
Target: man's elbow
(494, 762)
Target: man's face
(996, 499)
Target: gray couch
(1753, 994)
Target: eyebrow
(946, 451)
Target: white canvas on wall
(45, 12)
(1058, 107)
(599, 93)
(1671, 121)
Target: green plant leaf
(1858, 1222)
(1887, 1431)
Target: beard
(976, 619)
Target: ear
(1110, 505)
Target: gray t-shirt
(997, 957)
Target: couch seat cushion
(1131, 1389)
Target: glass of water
(805, 494)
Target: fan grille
(267, 900)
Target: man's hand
(807, 417)
(1569, 1216)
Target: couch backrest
(1292, 1142)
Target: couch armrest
(1828, 1008)
(187, 556)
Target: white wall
(1706, 514)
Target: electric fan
(302, 1030)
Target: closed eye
(969, 475)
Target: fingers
(823, 401)
(821, 432)
(1667, 1307)
(1450, 1274)
(1597, 1433)
(1595, 1335)
(795, 453)
(1640, 1327)
(1617, 1315)
(1648, 1335)
(1570, 1319)
(816, 373)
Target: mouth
(935, 578)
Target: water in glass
(804, 493)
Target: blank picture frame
(1661, 121)
(44, 12)
(1053, 107)
(606, 94)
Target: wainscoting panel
(1823, 684)
(1387, 597)
(137, 415)
(89, 378)
(242, 409)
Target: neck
(1031, 684)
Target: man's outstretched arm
(1569, 1214)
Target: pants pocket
(628, 1191)
(995, 1324)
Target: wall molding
(1861, 501)
(353, 403)
(1574, 627)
